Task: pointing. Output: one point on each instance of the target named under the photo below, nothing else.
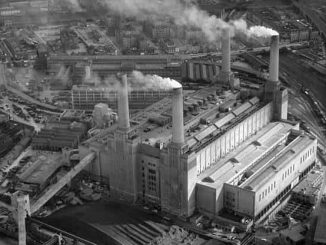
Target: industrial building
(219, 153)
(57, 137)
(86, 97)
(286, 21)
(105, 65)
(307, 191)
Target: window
(269, 189)
(266, 192)
(259, 197)
(283, 176)
(274, 184)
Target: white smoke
(181, 13)
(139, 81)
(261, 31)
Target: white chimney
(226, 51)
(123, 106)
(274, 59)
(177, 116)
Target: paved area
(109, 223)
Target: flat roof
(132, 58)
(47, 164)
(161, 108)
(196, 133)
(247, 153)
(311, 184)
(289, 152)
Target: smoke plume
(139, 81)
(151, 82)
(261, 31)
(182, 13)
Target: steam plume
(261, 31)
(182, 13)
(151, 82)
(139, 81)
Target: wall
(285, 176)
(206, 199)
(281, 104)
(209, 155)
(148, 177)
(240, 200)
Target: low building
(307, 191)
(106, 65)
(58, 138)
(86, 97)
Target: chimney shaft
(226, 51)
(123, 106)
(177, 116)
(274, 59)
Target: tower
(174, 166)
(273, 89)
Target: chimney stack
(123, 106)
(274, 59)
(225, 76)
(177, 116)
(226, 51)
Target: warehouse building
(105, 65)
(86, 97)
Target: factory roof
(238, 161)
(202, 118)
(69, 114)
(40, 170)
(152, 133)
(286, 155)
(118, 58)
(310, 185)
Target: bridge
(20, 209)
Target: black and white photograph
(162, 122)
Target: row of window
(237, 135)
(307, 154)
(268, 189)
(272, 203)
(288, 172)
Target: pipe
(177, 116)
(123, 105)
(274, 59)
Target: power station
(207, 151)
